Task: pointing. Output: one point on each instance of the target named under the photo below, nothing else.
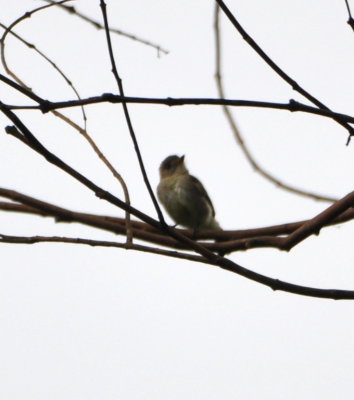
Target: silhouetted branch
(83, 131)
(275, 67)
(28, 14)
(236, 130)
(127, 115)
(350, 20)
(21, 132)
(153, 231)
(100, 243)
(292, 105)
(72, 10)
(228, 265)
(282, 237)
(224, 263)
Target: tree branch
(292, 105)
(127, 116)
(98, 25)
(236, 130)
(283, 237)
(275, 67)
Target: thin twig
(276, 68)
(100, 243)
(108, 164)
(350, 20)
(98, 25)
(28, 14)
(52, 63)
(237, 133)
(82, 131)
(127, 115)
(274, 284)
(348, 8)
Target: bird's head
(172, 165)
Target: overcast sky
(93, 323)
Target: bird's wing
(195, 189)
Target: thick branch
(283, 236)
(292, 105)
(217, 261)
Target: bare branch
(27, 137)
(100, 243)
(28, 14)
(83, 131)
(281, 236)
(237, 133)
(274, 284)
(292, 105)
(222, 262)
(45, 57)
(98, 25)
(127, 115)
(350, 20)
(314, 225)
(275, 67)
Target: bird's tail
(214, 224)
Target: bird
(184, 197)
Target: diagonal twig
(237, 133)
(83, 131)
(350, 20)
(276, 68)
(127, 115)
(98, 25)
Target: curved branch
(275, 67)
(83, 131)
(282, 237)
(222, 262)
(98, 25)
(8, 29)
(237, 134)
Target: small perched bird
(184, 197)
